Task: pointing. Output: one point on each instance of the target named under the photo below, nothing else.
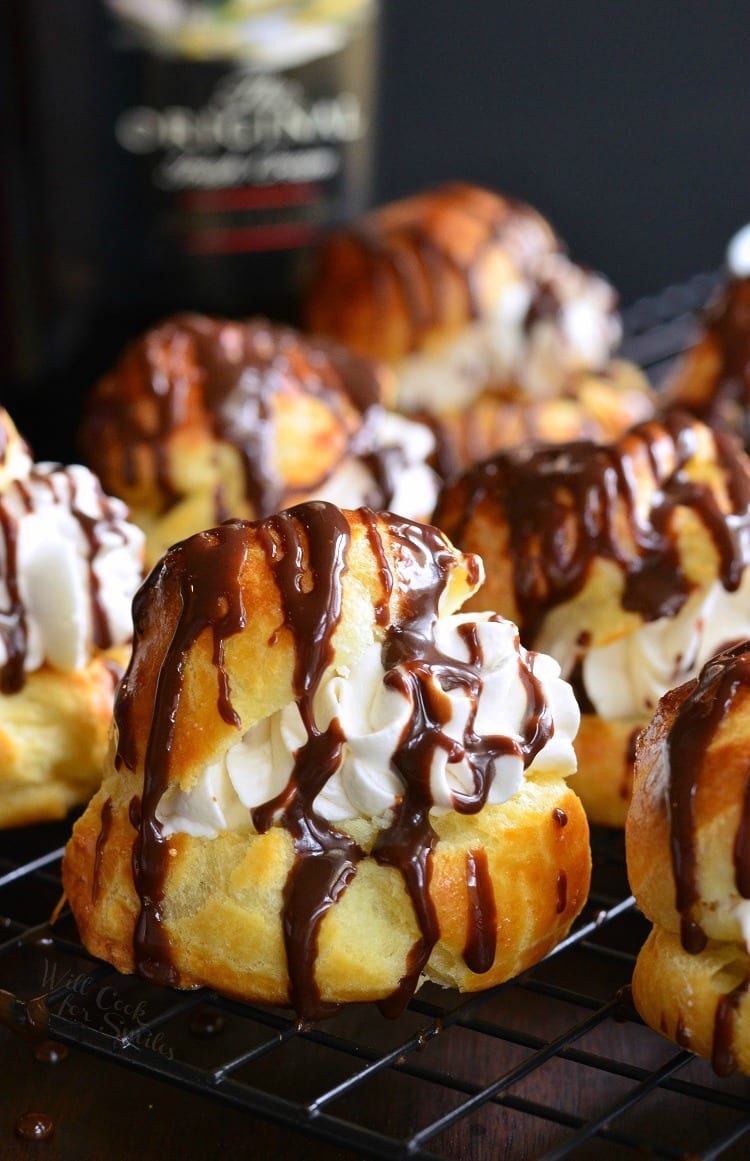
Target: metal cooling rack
(556, 1059)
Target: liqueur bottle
(167, 155)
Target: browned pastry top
(426, 264)
(261, 388)
(664, 508)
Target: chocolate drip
(93, 528)
(423, 670)
(409, 256)
(382, 605)
(194, 369)
(306, 549)
(559, 817)
(481, 932)
(723, 1058)
(34, 1127)
(569, 504)
(545, 305)
(385, 465)
(13, 619)
(308, 572)
(698, 718)
(13, 628)
(206, 568)
(101, 842)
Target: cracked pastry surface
(203, 419)
(70, 564)
(688, 851)
(626, 562)
(325, 785)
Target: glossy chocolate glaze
(408, 256)
(306, 549)
(408, 842)
(222, 374)
(696, 723)
(13, 628)
(569, 504)
(206, 571)
(481, 928)
(105, 826)
(34, 1127)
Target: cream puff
(326, 785)
(625, 562)
(204, 419)
(70, 563)
(469, 297)
(688, 852)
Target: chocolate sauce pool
(307, 550)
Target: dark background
(627, 122)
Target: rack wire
(557, 1058)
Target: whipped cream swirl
(373, 716)
(542, 331)
(626, 678)
(389, 471)
(70, 564)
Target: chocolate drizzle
(416, 667)
(698, 718)
(569, 504)
(481, 929)
(308, 572)
(101, 842)
(17, 502)
(193, 371)
(307, 551)
(206, 570)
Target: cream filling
(62, 574)
(374, 717)
(626, 678)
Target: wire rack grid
(556, 1059)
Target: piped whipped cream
(541, 332)
(70, 564)
(626, 678)
(373, 716)
(390, 470)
